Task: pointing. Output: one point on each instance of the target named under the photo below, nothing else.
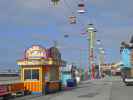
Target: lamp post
(101, 59)
(91, 41)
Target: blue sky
(27, 22)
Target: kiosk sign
(36, 52)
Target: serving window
(31, 74)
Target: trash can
(71, 82)
(47, 88)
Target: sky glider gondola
(72, 19)
(81, 7)
(83, 33)
(66, 35)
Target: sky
(27, 22)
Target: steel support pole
(91, 53)
(88, 76)
(91, 39)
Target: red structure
(93, 72)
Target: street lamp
(66, 36)
(91, 40)
(101, 59)
(99, 62)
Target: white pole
(99, 57)
(99, 67)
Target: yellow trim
(32, 68)
(40, 62)
(30, 62)
(50, 62)
(40, 77)
(40, 74)
(21, 73)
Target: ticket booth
(38, 67)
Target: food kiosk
(40, 69)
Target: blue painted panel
(65, 77)
(36, 93)
(126, 57)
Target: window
(31, 74)
(27, 74)
(35, 74)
